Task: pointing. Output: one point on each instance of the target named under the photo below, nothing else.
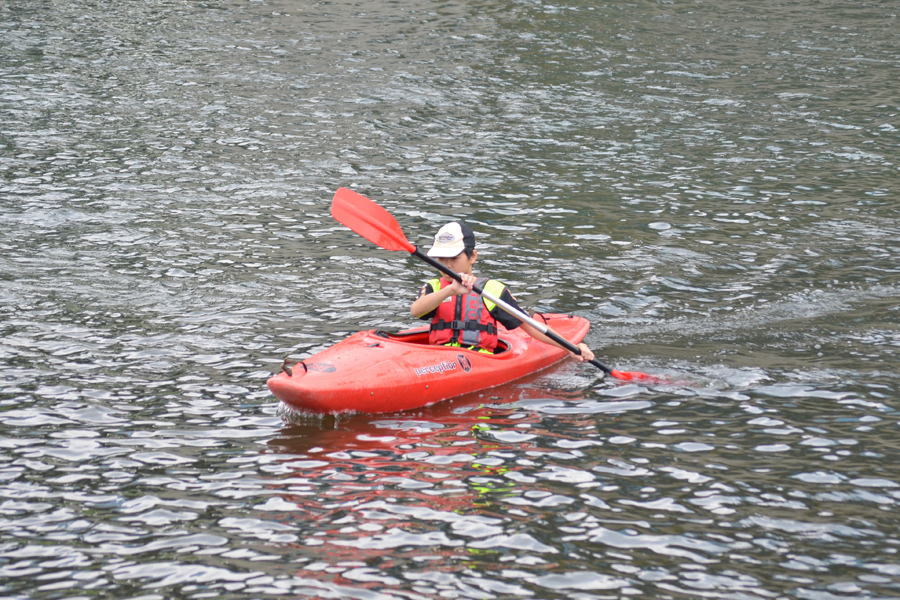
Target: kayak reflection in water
(461, 317)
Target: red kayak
(376, 372)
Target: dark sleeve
(504, 318)
(427, 289)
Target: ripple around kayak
(375, 372)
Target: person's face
(459, 263)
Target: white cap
(451, 239)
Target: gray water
(712, 184)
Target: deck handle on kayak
(289, 368)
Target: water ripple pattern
(711, 184)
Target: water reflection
(526, 483)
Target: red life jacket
(463, 319)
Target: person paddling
(459, 316)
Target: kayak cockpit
(420, 336)
(417, 337)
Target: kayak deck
(375, 372)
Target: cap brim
(444, 251)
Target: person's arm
(427, 303)
(511, 322)
(585, 355)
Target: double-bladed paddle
(374, 223)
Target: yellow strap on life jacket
(476, 348)
(493, 287)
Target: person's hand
(586, 354)
(457, 288)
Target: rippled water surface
(712, 184)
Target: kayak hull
(376, 372)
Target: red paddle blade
(369, 220)
(639, 377)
